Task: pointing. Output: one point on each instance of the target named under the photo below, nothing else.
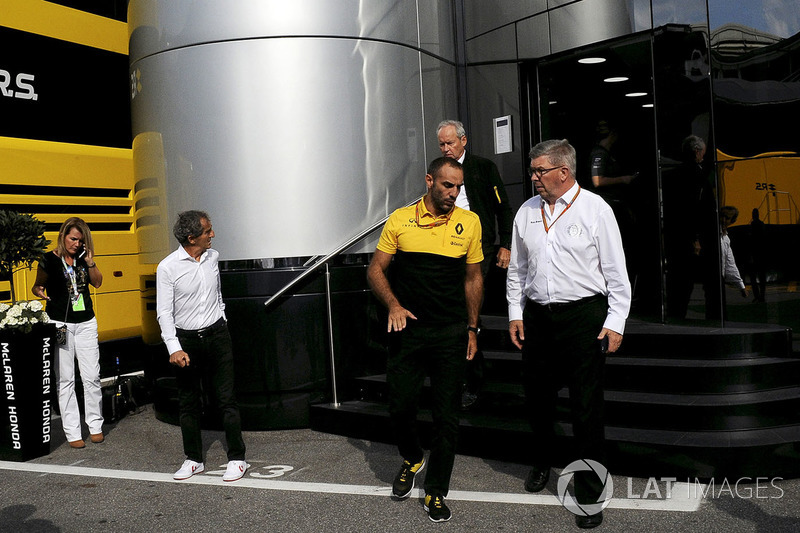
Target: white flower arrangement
(22, 315)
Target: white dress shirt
(580, 256)
(461, 200)
(188, 294)
(729, 269)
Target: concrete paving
(302, 480)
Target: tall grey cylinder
(294, 124)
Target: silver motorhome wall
(294, 124)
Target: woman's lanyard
(544, 220)
(75, 297)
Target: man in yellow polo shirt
(433, 299)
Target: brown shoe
(97, 438)
(77, 444)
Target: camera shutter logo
(568, 501)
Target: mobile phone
(604, 344)
(82, 252)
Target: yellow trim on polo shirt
(460, 237)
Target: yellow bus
(65, 147)
(767, 182)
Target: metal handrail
(319, 262)
(328, 297)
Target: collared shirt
(461, 200)
(729, 270)
(580, 256)
(188, 294)
(429, 267)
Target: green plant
(22, 243)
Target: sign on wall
(54, 90)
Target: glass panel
(593, 113)
(755, 66)
(690, 228)
(682, 12)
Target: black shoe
(404, 480)
(437, 510)
(588, 522)
(537, 479)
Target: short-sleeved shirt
(429, 267)
(59, 287)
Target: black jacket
(488, 199)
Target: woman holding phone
(63, 280)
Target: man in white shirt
(192, 318)
(568, 299)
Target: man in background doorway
(484, 194)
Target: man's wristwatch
(474, 329)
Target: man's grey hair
(559, 152)
(691, 144)
(460, 131)
(189, 224)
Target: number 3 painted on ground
(273, 471)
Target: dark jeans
(561, 348)
(440, 351)
(210, 370)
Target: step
(645, 410)
(630, 451)
(675, 341)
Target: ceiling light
(634, 95)
(647, 105)
(592, 60)
(616, 79)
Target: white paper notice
(502, 135)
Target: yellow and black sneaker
(437, 510)
(404, 481)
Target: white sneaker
(235, 470)
(188, 469)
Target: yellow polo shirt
(428, 271)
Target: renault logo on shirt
(459, 228)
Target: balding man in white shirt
(568, 299)
(191, 315)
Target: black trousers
(210, 371)
(474, 370)
(438, 351)
(561, 349)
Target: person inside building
(730, 272)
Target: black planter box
(28, 392)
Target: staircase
(685, 402)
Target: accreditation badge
(79, 304)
